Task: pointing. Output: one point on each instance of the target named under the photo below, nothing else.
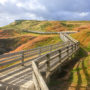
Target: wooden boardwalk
(16, 68)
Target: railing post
(39, 51)
(50, 48)
(68, 51)
(48, 68)
(72, 48)
(59, 55)
(37, 64)
(22, 58)
(76, 46)
(39, 82)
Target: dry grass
(84, 38)
(41, 40)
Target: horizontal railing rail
(49, 62)
(37, 32)
(39, 82)
(11, 60)
(42, 59)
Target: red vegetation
(30, 44)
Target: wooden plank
(27, 56)
(36, 84)
(10, 54)
(22, 59)
(9, 62)
(30, 54)
(41, 59)
(48, 68)
(54, 57)
(7, 68)
(60, 53)
(30, 50)
(8, 59)
(41, 81)
(58, 64)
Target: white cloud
(3, 2)
(34, 17)
(83, 14)
(19, 4)
(6, 19)
(31, 5)
(11, 10)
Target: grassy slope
(84, 38)
(80, 73)
(15, 29)
(79, 77)
(44, 25)
(41, 40)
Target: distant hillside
(84, 38)
(45, 25)
(14, 31)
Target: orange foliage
(29, 44)
(83, 27)
(56, 26)
(83, 37)
(7, 33)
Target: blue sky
(11, 10)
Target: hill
(45, 25)
(77, 73)
(84, 38)
(15, 31)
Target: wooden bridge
(31, 69)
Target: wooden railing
(38, 79)
(43, 59)
(8, 61)
(50, 62)
(37, 32)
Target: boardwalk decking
(13, 78)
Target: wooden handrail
(47, 59)
(22, 57)
(39, 78)
(63, 54)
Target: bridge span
(31, 69)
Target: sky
(11, 10)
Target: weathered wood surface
(37, 32)
(56, 58)
(39, 77)
(18, 75)
(20, 58)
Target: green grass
(88, 47)
(80, 74)
(49, 41)
(43, 25)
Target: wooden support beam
(36, 83)
(48, 68)
(39, 77)
(60, 54)
(23, 58)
